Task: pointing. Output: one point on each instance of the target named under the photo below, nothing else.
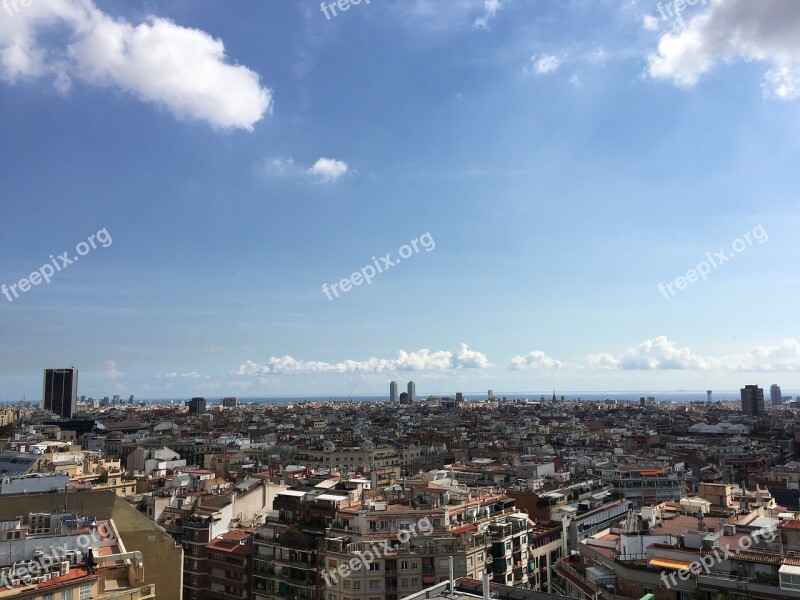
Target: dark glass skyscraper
(60, 391)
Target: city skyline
(495, 194)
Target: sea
(680, 396)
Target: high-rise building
(752, 400)
(230, 402)
(197, 406)
(393, 392)
(775, 394)
(60, 391)
(412, 392)
(491, 395)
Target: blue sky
(565, 158)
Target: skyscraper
(197, 406)
(393, 392)
(412, 392)
(60, 391)
(775, 394)
(752, 400)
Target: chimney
(452, 579)
(485, 586)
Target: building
(465, 588)
(775, 394)
(752, 400)
(231, 565)
(60, 391)
(64, 555)
(230, 402)
(416, 529)
(393, 392)
(197, 406)
(285, 563)
(404, 398)
(412, 392)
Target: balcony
(428, 570)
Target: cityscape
(399, 300)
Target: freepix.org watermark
(12, 7)
(342, 5)
(703, 268)
(61, 262)
(366, 558)
(672, 11)
(24, 571)
(369, 272)
(718, 555)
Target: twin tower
(405, 397)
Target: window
(85, 592)
(414, 582)
(374, 567)
(66, 594)
(356, 585)
(374, 585)
(414, 565)
(404, 565)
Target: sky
(283, 198)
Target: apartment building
(231, 566)
(400, 541)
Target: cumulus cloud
(490, 9)
(328, 169)
(662, 354)
(545, 63)
(182, 69)
(533, 360)
(763, 31)
(419, 360)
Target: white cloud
(470, 359)
(782, 83)
(764, 31)
(420, 360)
(490, 9)
(545, 63)
(279, 167)
(112, 371)
(193, 376)
(650, 23)
(534, 360)
(658, 353)
(182, 69)
(662, 354)
(328, 169)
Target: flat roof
(296, 493)
(331, 497)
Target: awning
(668, 563)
